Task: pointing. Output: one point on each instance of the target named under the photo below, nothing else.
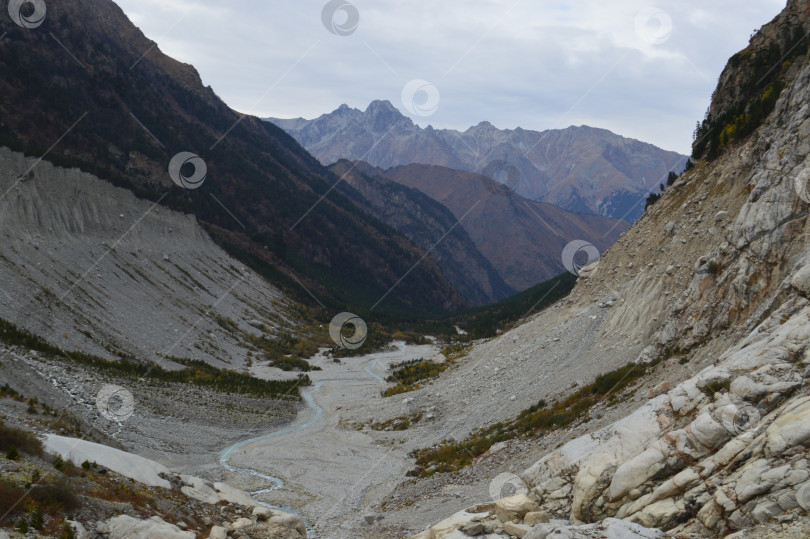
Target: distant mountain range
(581, 169)
(521, 239)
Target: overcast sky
(642, 69)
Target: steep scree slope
(90, 267)
(714, 281)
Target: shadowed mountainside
(523, 240)
(111, 103)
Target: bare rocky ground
(90, 267)
(718, 268)
(333, 471)
(182, 426)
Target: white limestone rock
(801, 281)
(126, 527)
(127, 464)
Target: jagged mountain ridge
(581, 169)
(132, 108)
(522, 239)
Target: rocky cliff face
(714, 283)
(581, 169)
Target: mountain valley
(427, 335)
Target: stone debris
(723, 450)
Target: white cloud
(538, 64)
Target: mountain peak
(482, 126)
(381, 105)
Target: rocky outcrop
(126, 527)
(716, 275)
(738, 452)
(465, 524)
(719, 452)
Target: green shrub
(22, 525)
(605, 383)
(533, 421)
(408, 375)
(399, 423)
(58, 462)
(12, 454)
(37, 519)
(293, 364)
(57, 493)
(67, 532)
(716, 386)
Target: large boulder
(126, 527)
(129, 465)
(269, 524)
(801, 281)
(610, 528)
(514, 508)
(790, 429)
(449, 527)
